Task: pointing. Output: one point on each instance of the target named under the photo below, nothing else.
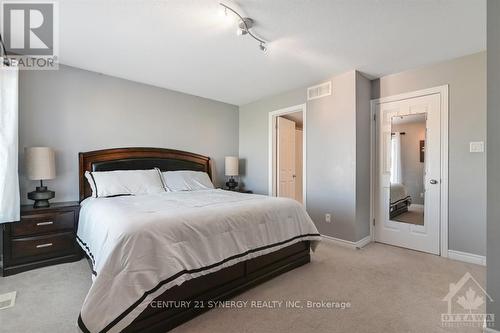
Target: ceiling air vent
(321, 90)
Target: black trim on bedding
(95, 185)
(400, 200)
(81, 324)
(118, 195)
(84, 246)
(162, 180)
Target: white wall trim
(372, 168)
(292, 109)
(444, 169)
(467, 257)
(411, 94)
(363, 242)
(353, 245)
(444, 93)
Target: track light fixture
(244, 26)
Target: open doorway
(287, 153)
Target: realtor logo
(30, 33)
(467, 304)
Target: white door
(298, 165)
(393, 200)
(286, 158)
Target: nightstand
(44, 236)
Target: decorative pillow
(125, 182)
(185, 180)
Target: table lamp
(231, 172)
(40, 165)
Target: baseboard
(467, 257)
(363, 242)
(452, 254)
(353, 245)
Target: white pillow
(185, 180)
(125, 182)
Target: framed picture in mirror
(422, 151)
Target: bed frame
(201, 291)
(399, 207)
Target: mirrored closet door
(408, 159)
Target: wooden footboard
(217, 286)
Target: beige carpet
(390, 290)
(414, 215)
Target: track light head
(263, 47)
(244, 25)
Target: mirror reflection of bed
(407, 169)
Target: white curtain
(396, 168)
(9, 182)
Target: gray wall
(73, 110)
(413, 169)
(493, 253)
(466, 77)
(363, 155)
(331, 153)
(331, 159)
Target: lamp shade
(40, 163)
(232, 166)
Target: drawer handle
(44, 223)
(44, 245)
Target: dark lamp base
(232, 184)
(41, 197)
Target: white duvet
(136, 243)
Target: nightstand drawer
(43, 223)
(43, 245)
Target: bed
(399, 200)
(146, 254)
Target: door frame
(443, 91)
(292, 109)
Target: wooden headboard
(138, 159)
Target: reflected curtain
(9, 179)
(396, 167)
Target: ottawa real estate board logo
(467, 305)
(30, 34)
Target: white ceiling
(186, 45)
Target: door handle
(433, 181)
(294, 176)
